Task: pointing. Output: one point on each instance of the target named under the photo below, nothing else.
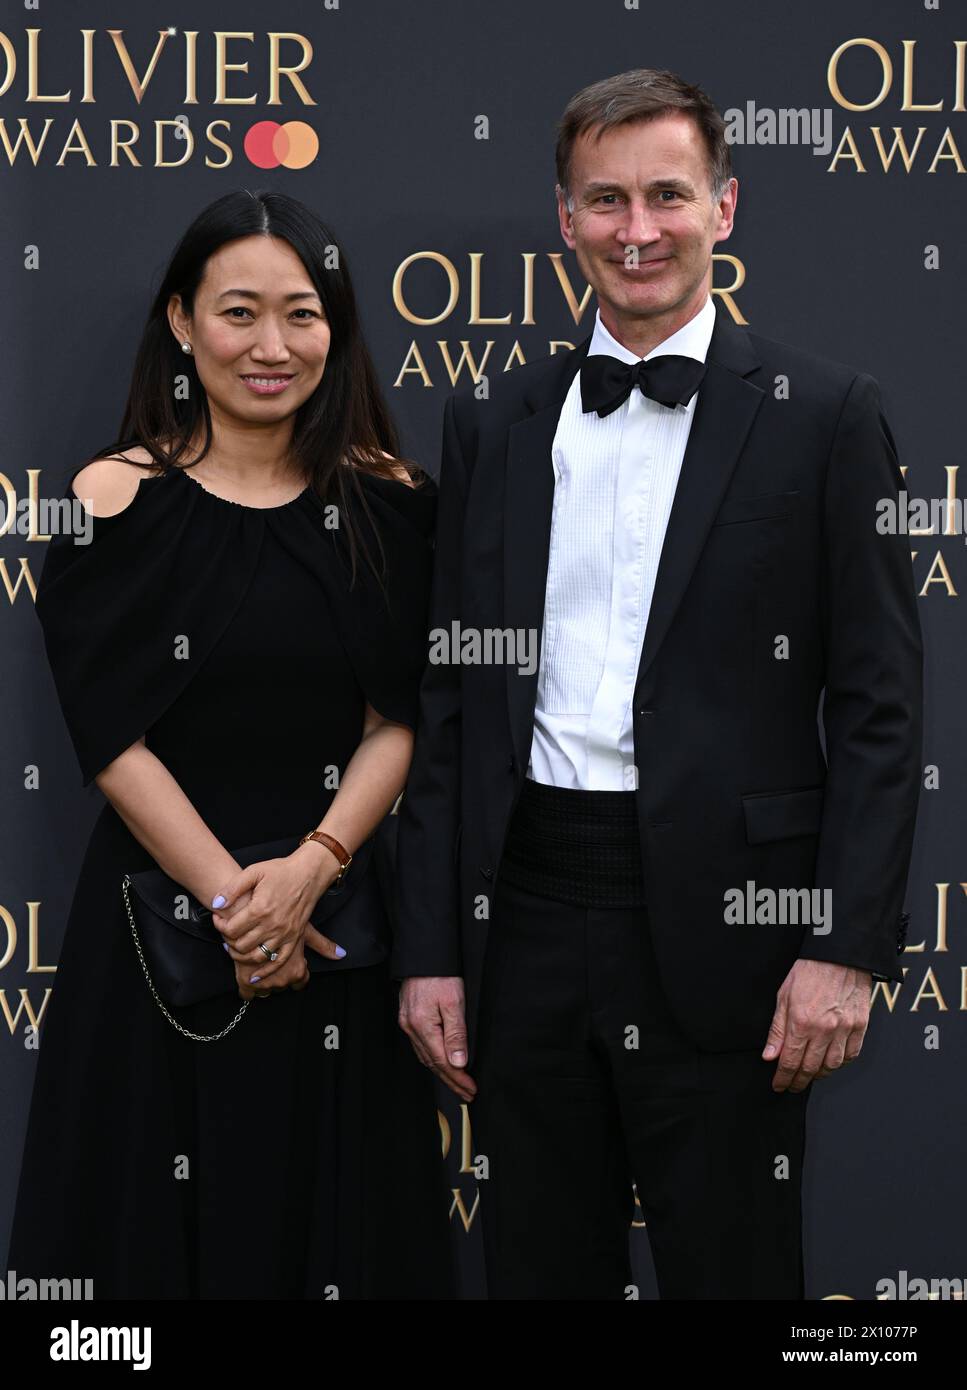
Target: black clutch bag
(180, 948)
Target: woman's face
(258, 333)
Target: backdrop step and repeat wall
(424, 132)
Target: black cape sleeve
(130, 617)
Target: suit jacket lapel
(726, 407)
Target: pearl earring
(186, 346)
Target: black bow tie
(607, 382)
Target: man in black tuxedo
(664, 897)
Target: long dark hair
(346, 418)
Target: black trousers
(586, 1086)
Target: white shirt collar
(691, 340)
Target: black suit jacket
(772, 533)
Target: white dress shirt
(614, 484)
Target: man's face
(645, 185)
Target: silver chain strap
(195, 1037)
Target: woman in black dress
(237, 652)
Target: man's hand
(822, 1012)
(432, 1017)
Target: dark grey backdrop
(833, 261)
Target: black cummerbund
(575, 846)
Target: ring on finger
(269, 955)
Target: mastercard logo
(293, 145)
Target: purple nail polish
(224, 945)
(255, 979)
(339, 953)
(220, 901)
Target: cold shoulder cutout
(137, 472)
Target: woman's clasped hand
(263, 915)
